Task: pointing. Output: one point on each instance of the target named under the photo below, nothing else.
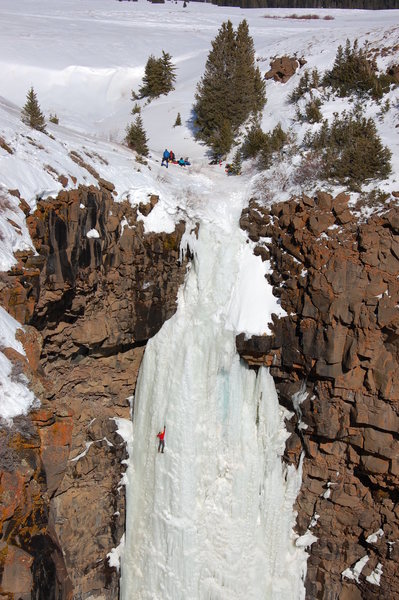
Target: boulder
(283, 68)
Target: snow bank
(15, 398)
(114, 556)
(252, 303)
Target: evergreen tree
(236, 165)
(159, 77)
(231, 88)
(136, 137)
(178, 120)
(259, 91)
(351, 150)
(354, 73)
(31, 114)
(168, 73)
(221, 139)
(254, 141)
(215, 94)
(249, 87)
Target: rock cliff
(99, 288)
(334, 358)
(95, 292)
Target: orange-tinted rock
(17, 577)
(11, 488)
(283, 68)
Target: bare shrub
(303, 17)
(269, 185)
(309, 170)
(307, 17)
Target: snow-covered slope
(84, 59)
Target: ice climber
(165, 158)
(161, 436)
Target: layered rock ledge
(334, 358)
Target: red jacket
(161, 435)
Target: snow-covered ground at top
(83, 58)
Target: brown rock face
(283, 68)
(92, 303)
(338, 281)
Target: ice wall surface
(212, 518)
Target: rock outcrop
(95, 292)
(334, 358)
(283, 68)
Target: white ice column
(212, 518)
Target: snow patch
(15, 397)
(253, 302)
(355, 571)
(375, 577)
(82, 454)
(373, 538)
(114, 557)
(93, 233)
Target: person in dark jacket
(165, 158)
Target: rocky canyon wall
(334, 358)
(89, 303)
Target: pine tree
(168, 73)
(215, 94)
(136, 137)
(259, 92)
(254, 141)
(31, 114)
(351, 150)
(231, 88)
(249, 86)
(237, 163)
(152, 80)
(159, 77)
(178, 120)
(354, 73)
(222, 139)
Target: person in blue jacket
(184, 162)
(165, 158)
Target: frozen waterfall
(212, 518)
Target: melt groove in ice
(212, 518)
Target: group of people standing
(169, 156)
